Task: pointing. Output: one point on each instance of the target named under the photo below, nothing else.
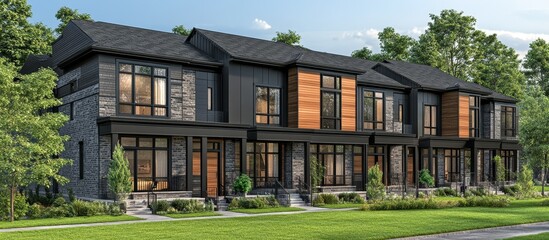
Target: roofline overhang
(370, 84)
(294, 64)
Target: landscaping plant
(375, 188)
(317, 172)
(525, 183)
(119, 175)
(425, 178)
(242, 184)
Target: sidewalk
(490, 233)
(156, 218)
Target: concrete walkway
(155, 218)
(490, 233)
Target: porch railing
(278, 185)
(332, 180)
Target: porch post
(404, 169)
(114, 141)
(307, 170)
(243, 152)
(189, 169)
(386, 159)
(365, 166)
(416, 169)
(204, 166)
(474, 163)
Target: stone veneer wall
(349, 157)
(440, 168)
(179, 162)
(389, 116)
(295, 160)
(83, 128)
(231, 169)
(395, 163)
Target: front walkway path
(490, 233)
(156, 218)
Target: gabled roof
(373, 78)
(127, 39)
(276, 53)
(35, 62)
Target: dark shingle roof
(142, 41)
(35, 62)
(265, 51)
(371, 77)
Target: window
(509, 161)
(142, 90)
(451, 165)
(474, 104)
(508, 122)
(263, 163)
(332, 158)
(373, 110)
(71, 106)
(148, 161)
(429, 120)
(210, 100)
(375, 156)
(330, 102)
(267, 105)
(358, 168)
(81, 159)
(400, 113)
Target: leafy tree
(536, 63)
(534, 130)
(500, 169)
(29, 135)
(66, 14)
(366, 53)
(181, 30)
(119, 175)
(18, 37)
(317, 172)
(395, 46)
(290, 38)
(525, 183)
(375, 188)
(425, 178)
(497, 66)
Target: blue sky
(331, 26)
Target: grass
(342, 205)
(538, 188)
(268, 210)
(190, 215)
(313, 225)
(65, 221)
(541, 236)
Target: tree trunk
(12, 203)
(542, 181)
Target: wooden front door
(213, 176)
(410, 171)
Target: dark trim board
(446, 142)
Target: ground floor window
(332, 157)
(263, 163)
(376, 154)
(148, 160)
(451, 165)
(509, 160)
(357, 168)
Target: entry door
(213, 176)
(410, 176)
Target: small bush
(253, 203)
(330, 198)
(114, 210)
(35, 211)
(84, 208)
(350, 198)
(422, 195)
(445, 192)
(172, 210)
(21, 205)
(160, 206)
(209, 206)
(272, 201)
(426, 178)
(408, 204)
(486, 201)
(319, 201)
(58, 202)
(179, 204)
(58, 212)
(510, 190)
(242, 184)
(375, 189)
(72, 197)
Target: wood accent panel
(348, 104)
(308, 90)
(410, 169)
(463, 116)
(213, 158)
(292, 98)
(450, 103)
(196, 163)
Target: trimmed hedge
(350, 198)
(485, 201)
(408, 204)
(445, 192)
(253, 203)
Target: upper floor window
(429, 120)
(142, 90)
(267, 105)
(508, 121)
(474, 109)
(373, 110)
(330, 102)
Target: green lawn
(319, 225)
(541, 236)
(538, 188)
(268, 210)
(64, 221)
(343, 205)
(190, 215)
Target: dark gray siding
(242, 82)
(487, 113)
(205, 80)
(427, 98)
(397, 77)
(71, 42)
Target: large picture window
(508, 121)
(330, 102)
(451, 165)
(148, 160)
(430, 120)
(263, 163)
(474, 109)
(142, 90)
(332, 158)
(267, 105)
(375, 156)
(373, 110)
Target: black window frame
(474, 129)
(133, 103)
(375, 121)
(315, 149)
(505, 131)
(269, 114)
(336, 91)
(210, 99)
(81, 157)
(452, 171)
(430, 126)
(263, 182)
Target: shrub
(425, 178)
(160, 206)
(422, 195)
(209, 206)
(114, 210)
(35, 211)
(258, 202)
(330, 198)
(375, 189)
(59, 201)
(72, 197)
(407, 204)
(350, 198)
(179, 204)
(83, 208)
(119, 176)
(20, 206)
(445, 192)
(510, 190)
(58, 212)
(525, 183)
(272, 201)
(172, 210)
(318, 201)
(486, 201)
(242, 184)
(545, 202)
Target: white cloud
(370, 33)
(261, 24)
(528, 37)
(416, 31)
